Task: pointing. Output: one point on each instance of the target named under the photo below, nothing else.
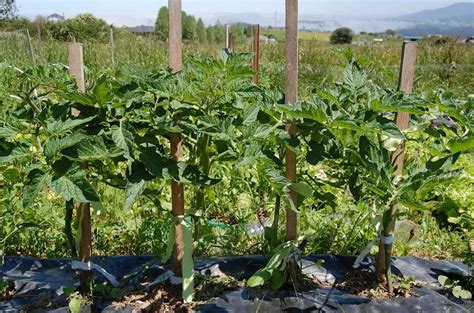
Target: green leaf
(75, 305)
(444, 281)
(188, 264)
(132, 191)
(16, 154)
(69, 291)
(445, 162)
(73, 185)
(170, 242)
(102, 91)
(412, 205)
(280, 253)
(35, 182)
(461, 293)
(58, 127)
(303, 189)
(316, 153)
(461, 145)
(259, 278)
(391, 144)
(123, 139)
(153, 161)
(278, 279)
(91, 150)
(250, 114)
(54, 146)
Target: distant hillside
(454, 20)
(438, 29)
(458, 12)
(141, 29)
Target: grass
(279, 35)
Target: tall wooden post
(30, 45)
(112, 47)
(256, 53)
(405, 84)
(227, 38)
(76, 64)
(175, 58)
(39, 25)
(291, 96)
(76, 69)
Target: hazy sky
(135, 12)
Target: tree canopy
(8, 9)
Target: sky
(143, 12)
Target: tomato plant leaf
(35, 182)
(123, 139)
(73, 185)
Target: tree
(189, 27)
(237, 32)
(87, 26)
(219, 32)
(390, 32)
(341, 35)
(8, 9)
(161, 24)
(201, 31)
(211, 34)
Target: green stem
(276, 219)
(388, 227)
(68, 228)
(205, 164)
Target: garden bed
(39, 285)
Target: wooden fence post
(291, 96)
(76, 69)
(175, 58)
(405, 84)
(256, 53)
(112, 47)
(30, 45)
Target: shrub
(341, 35)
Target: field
(235, 150)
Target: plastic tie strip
(385, 240)
(89, 266)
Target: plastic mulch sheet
(42, 281)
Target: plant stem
(205, 164)
(385, 250)
(68, 228)
(276, 219)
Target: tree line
(88, 27)
(195, 30)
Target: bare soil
(366, 284)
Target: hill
(457, 12)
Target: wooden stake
(405, 84)
(256, 53)
(39, 25)
(291, 96)
(76, 64)
(112, 47)
(231, 42)
(30, 45)
(227, 39)
(76, 69)
(175, 58)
